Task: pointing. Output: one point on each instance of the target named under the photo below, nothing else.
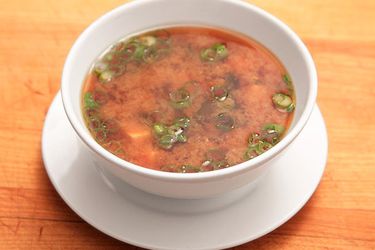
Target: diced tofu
(137, 130)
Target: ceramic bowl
(234, 15)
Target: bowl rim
(188, 177)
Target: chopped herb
(287, 80)
(89, 101)
(115, 147)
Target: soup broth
(187, 99)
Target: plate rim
(261, 233)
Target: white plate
(154, 222)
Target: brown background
(35, 37)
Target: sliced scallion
(283, 102)
(193, 87)
(186, 168)
(250, 153)
(189, 169)
(221, 164)
(290, 108)
(139, 52)
(224, 122)
(262, 146)
(150, 55)
(220, 93)
(100, 67)
(183, 122)
(181, 138)
(167, 141)
(159, 129)
(175, 130)
(287, 80)
(109, 56)
(169, 168)
(215, 159)
(254, 138)
(260, 143)
(148, 40)
(117, 69)
(256, 149)
(167, 136)
(161, 34)
(180, 98)
(207, 166)
(216, 52)
(273, 128)
(106, 76)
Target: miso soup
(187, 99)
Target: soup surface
(187, 99)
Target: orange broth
(187, 99)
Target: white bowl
(233, 15)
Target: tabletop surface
(35, 37)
